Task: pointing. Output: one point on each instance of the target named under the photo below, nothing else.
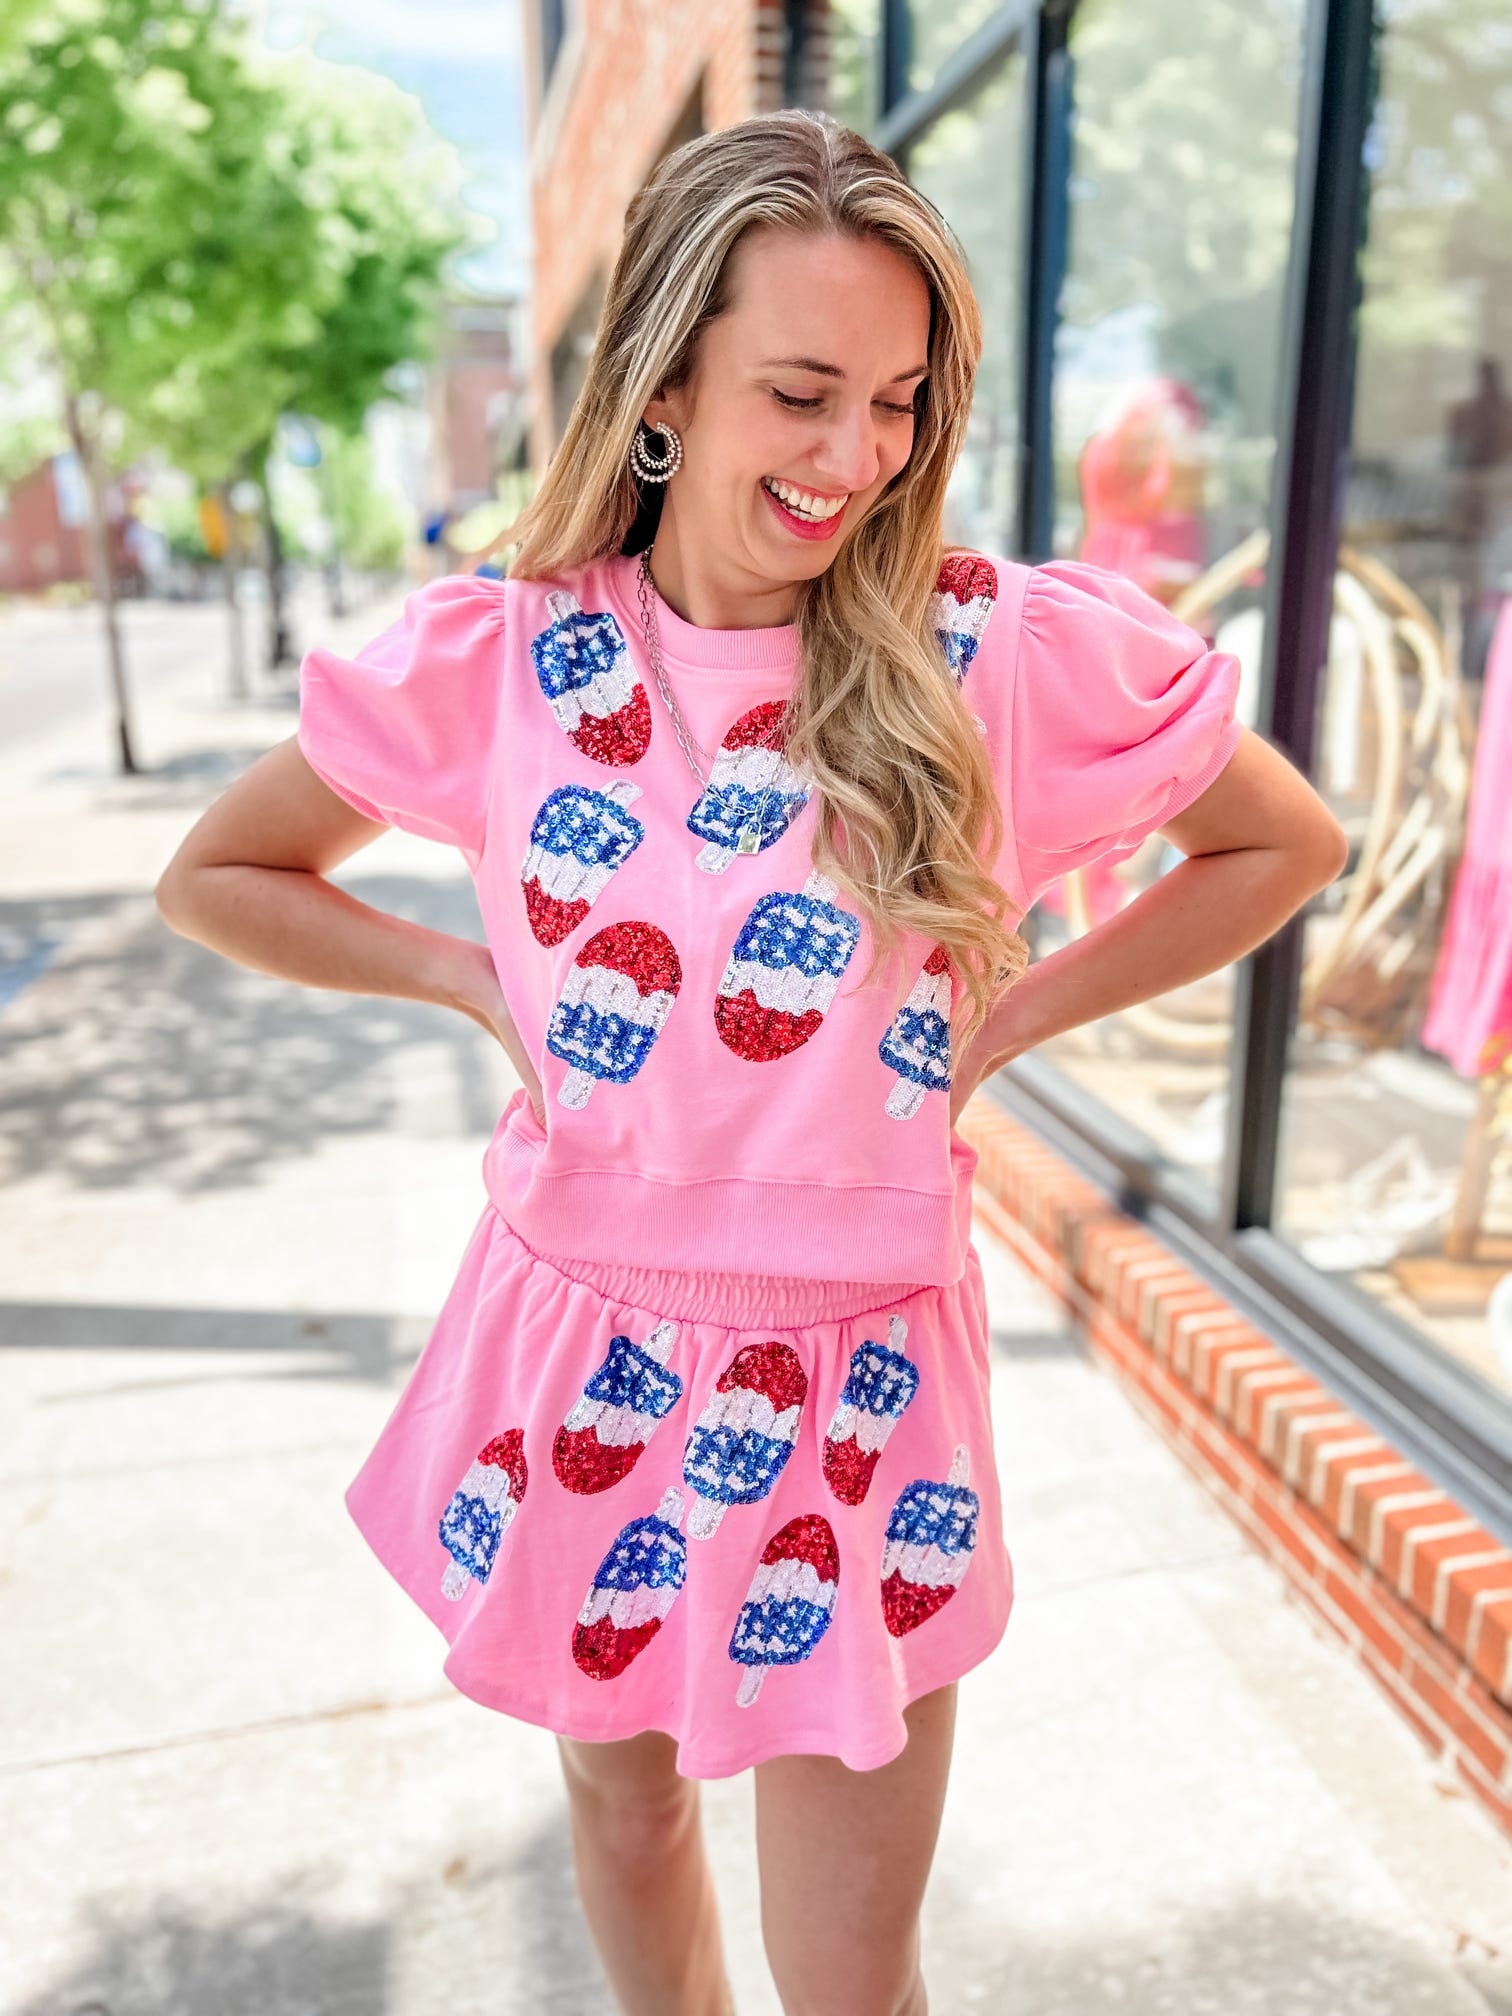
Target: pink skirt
(758, 1513)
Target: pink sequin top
(726, 1090)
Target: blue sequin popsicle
(632, 1592)
(917, 1042)
(606, 1431)
(585, 671)
(790, 1602)
(480, 1511)
(783, 971)
(578, 838)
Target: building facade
(1246, 273)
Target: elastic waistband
(739, 1301)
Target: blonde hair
(908, 808)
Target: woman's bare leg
(643, 1876)
(844, 1857)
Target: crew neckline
(771, 648)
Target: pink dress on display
(1469, 1018)
(700, 1440)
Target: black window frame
(1438, 1413)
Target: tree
(204, 244)
(139, 184)
(389, 195)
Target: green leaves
(208, 238)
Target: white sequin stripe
(757, 769)
(870, 1430)
(626, 1608)
(605, 694)
(970, 618)
(742, 1408)
(788, 1579)
(782, 987)
(564, 876)
(930, 990)
(616, 1427)
(930, 1565)
(612, 993)
(486, 1481)
(916, 1051)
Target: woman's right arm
(249, 882)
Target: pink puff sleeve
(1122, 716)
(404, 731)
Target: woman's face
(800, 409)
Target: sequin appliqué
(789, 1604)
(784, 969)
(577, 840)
(961, 608)
(606, 1432)
(614, 1002)
(741, 1441)
(481, 1510)
(751, 789)
(917, 1042)
(878, 1389)
(593, 689)
(931, 1535)
(633, 1589)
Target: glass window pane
(1397, 1116)
(936, 28)
(969, 165)
(1167, 354)
(855, 62)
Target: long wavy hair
(909, 816)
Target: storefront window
(1397, 1117)
(854, 28)
(969, 165)
(936, 28)
(1167, 355)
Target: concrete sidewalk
(235, 1782)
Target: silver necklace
(749, 841)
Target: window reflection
(935, 29)
(969, 165)
(1397, 1135)
(1166, 369)
(854, 30)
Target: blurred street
(235, 1781)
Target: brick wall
(633, 77)
(1377, 1554)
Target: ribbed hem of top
(858, 1234)
(772, 649)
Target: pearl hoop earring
(655, 468)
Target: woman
(696, 1469)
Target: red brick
(1492, 1657)
(1434, 1555)
(1284, 1413)
(1336, 1478)
(1473, 1727)
(1161, 1317)
(1366, 1612)
(1411, 1707)
(1495, 1801)
(1257, 1388)
(1211, 1344)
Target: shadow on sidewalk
(139, 1056)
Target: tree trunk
(97, 540)
(335, 587)
(230, 560)
(280, 648)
